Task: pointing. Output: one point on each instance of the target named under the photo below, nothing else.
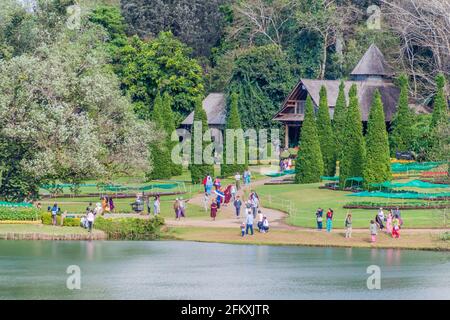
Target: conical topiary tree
(326, 136)
(233, 123)
(309, 163)
(440, 109)
(377, 168)
(169, 127)
(159, 151)
(340, 112)
(199, 170)
(401, 129)
(353, 151)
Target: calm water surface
(189, 270)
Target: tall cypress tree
(309, 164)
(233, 122)
(340, 112)
(169, 126)
(377, 167)
(353, 151)
(401, 135)
(159, 151)
(200, 170)
(326, 136)
(440, 109)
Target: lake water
(189, 270)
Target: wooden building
(371, 73)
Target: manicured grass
(302, 202)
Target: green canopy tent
(410, 184)
(400, 195)
(358, 181)
(329, 178)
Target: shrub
(130, 228)
(19, 214)
(68, 222)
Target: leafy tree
(160, 152)
(326, 136)
(262, 79)
(199, 170)
(160, 65)
(440, 109)
(377, 168)
(169, 127)
(340, 114)
(198, 23)
(233, 122)
(309, 165)
(353, 152)
(401, 135)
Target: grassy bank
(360, 239)
(302, 201)
(44, 232)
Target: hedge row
(67, 222)
(19, 214)
(130, 228)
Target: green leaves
(309, 164)
(326, 136)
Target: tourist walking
(329, 220)
(254, 203)
(156, 206)
(237, 205)
(380, 218)
(249, 223)
(182, 208)
(242, 229)
(395, 228)
(265, 225)
(373, 231)
(319, 218)
(55, 210)
(260, 221)
(348, 226)
(176, 208)
(237, 179)
(247, 177)
(208, 184)
(90, 220)
(213, 210)
(206, 201)
(220, 197)
(389, 222)
(217, 183)
(233, 191)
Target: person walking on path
(208, 184)
(395, 228)
(373, 231)
(206, 201)
(260, 221)
(237, 205)
(242, 229)
(182, 208)
(217, 183)
(329, 220)
(55, 210)
(319, 218)
(177, 209)
(247, 177)
(389, 223)
(213, 210)
(90, 220)
(249, 223)
(156, 206)
(233, 191)
(237, 179)
(348, 226)
(379, 219)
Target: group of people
(87, 221)
(156, 205)
(285, 164)
(107, 204)
(391, 222)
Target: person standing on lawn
(237, 205)
(373, 231)
(55, 210)
(213, 210)
(249, 222)
(396, 228)
(319, 218)
(329, 219)
(90, 220)
(348, 226)
(156, 206)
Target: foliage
(159, 65)
(130, 228)
(377, 168)
(198, 23)
(340, 112)
(233, 122)
(309, 164)
(326, 135)
(46, 218)
(199, 170)
(440, 109)
(160, 151)
(19, 214)
(169, 127)
(262, 78)
(401, 135)
(353, 152)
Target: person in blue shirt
(249, 222)
(54, 210)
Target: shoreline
(428, 241)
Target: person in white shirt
(237, 178)
(156, 206)
(90, 219)
(265, 227)
(260, 221)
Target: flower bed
(19, 214)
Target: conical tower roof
(372, 64)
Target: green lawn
(303, 200)
(44, 229)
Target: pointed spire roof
(372, 64)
